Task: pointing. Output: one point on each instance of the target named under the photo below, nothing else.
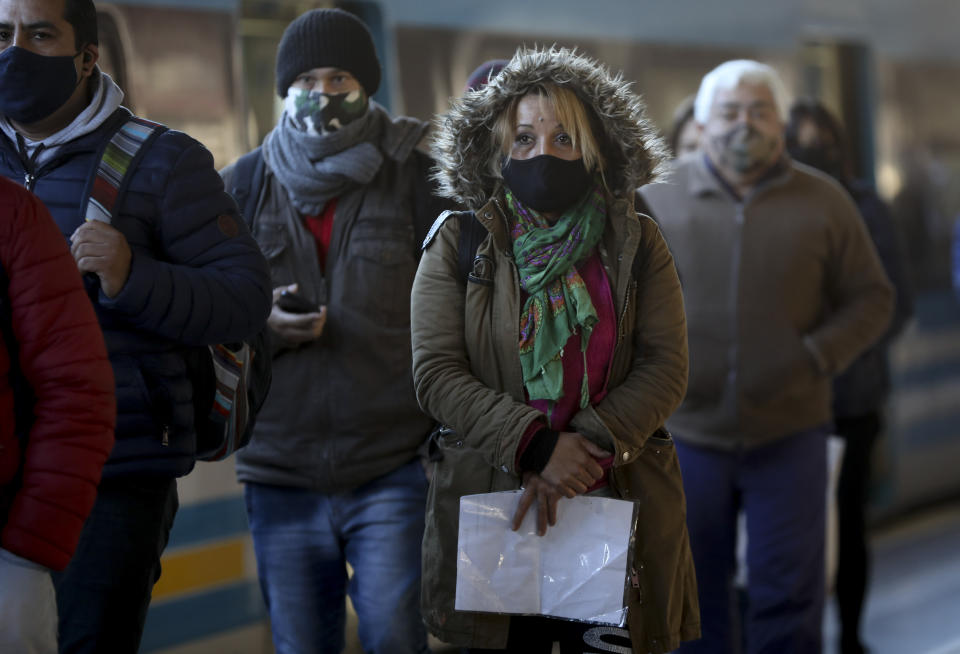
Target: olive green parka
(467, 367)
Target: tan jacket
(783, 290)
(467, 375)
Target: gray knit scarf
(317, 168)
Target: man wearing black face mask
(38, 110)
(173, 269)
(339, 202)
(783, 289)
(814, 137)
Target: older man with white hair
(783, 289)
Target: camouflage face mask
(316, 112)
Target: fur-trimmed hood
(462, 144)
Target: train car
(890, 69)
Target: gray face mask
(744, 149)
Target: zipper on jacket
(29, 163)
(623, 314)
(165, 436)
(733, 349)
(634, 578)
(516, 322)
(631, 286)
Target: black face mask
(821, 157)
(34, 86)
(547, 183)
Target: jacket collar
(704, 179)
(493, 216)
(90, 142)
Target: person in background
(557, 360)
(174, 270)
(57, 399)
(814, 137)
(332, 475)
(955, 256)
(783, 290)
(684, 137)
(483, 74)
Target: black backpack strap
(472, 234)
(423, 218)
(641, 206)
(427, 205)
(248, 174)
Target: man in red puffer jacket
(52, 349)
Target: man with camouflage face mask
(339, 206)
(783, 289)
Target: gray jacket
(342, 411)
(782, 291)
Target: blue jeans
(104, 593)
(304, 539)
(782, 489)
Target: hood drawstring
(29, 162)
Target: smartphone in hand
(296, 303)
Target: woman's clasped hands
(571, 470)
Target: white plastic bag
(578, 570)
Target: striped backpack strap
(119, 158)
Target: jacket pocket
(783, 367)
(380, 275)
(709, 366)
(272, 239)
(660, 438)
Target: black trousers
(104, 593)
(853, 557)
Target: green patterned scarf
(558, 302)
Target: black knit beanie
(323, 38)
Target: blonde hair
(570, 112)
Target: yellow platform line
(198, 568)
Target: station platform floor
(913, 604)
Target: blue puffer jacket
(196, 278)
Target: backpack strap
(640, 206)
(248, 174)
(121, 156)
(472, 234)
(422, 198)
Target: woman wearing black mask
(557, 359)
(814, 137)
